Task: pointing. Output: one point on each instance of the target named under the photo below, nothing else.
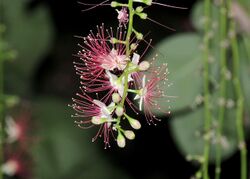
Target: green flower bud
(116, 98)
(119, 111)
(143, 66)
(129, 134)
(121, 142)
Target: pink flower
(94, 112)
(18, 129)
(99, 54)
(111, 83)
(122, 16)
(17, 164)
(152, 92)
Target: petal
(135, 59)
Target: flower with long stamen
(94, 112)
(111, 68)
(99, 54)
(122, 16)
(111, 83)
(151, 92)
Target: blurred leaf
(30, 33)
(11, 100)
(245, 73)
(197, 16)
(64, 151)
(184, 62)
(5, 52)
(188, 131)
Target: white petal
(135, 58)
(137, 97)
(112, 78)
(121, 89)
(99, 103)
(140, 104)
(143, 81)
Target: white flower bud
(139, 36)
(143, 66)
(143, 15)
(147, 2)
(133, 46)
(114, 4)
(119, 111)
(129, 134)
(135, 123)
(121, 142)
(97, 120)
(116, 98)
(139, 9)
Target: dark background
(153, 154)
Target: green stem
(130, 27)
(1, 113)
(1, 98)
(207, 125)
(240, 100)
(127, 43)
(223, 84)
(247, 46)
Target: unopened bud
(97, 120)
(139, 36)
(119, 111)
(143, 15)
(133, 46)
(147, 2)
(139, 9)
(114, 4)
(135, 123)
(116, 98)
(143, 66)
(113, 40)
(121, 142)
(129, 134)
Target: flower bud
(133, 46)
(135, 123)
(139, 9)
(143, 15)
(139, 36)
(121, 142)
(113, 40)
(147, 2)
(114, 4)
(97, 120)
(119, 111)
(129, 134)
(143, 66)
(116, 98)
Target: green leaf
(188, 131)
(183, 56)
(197, 16)
(30, 33)
(244, 77)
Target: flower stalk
(240, 98)
(222, 85)
(2, 122)
(111, 65)
(207, 123)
